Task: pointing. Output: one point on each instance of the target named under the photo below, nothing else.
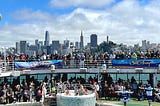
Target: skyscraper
(23, 47)
(55, 46)
(144, 44)
(81, 41)
(66, 44)
(18, 47)
(77, 45)
(36, 42)
(107, 39)
(47, 39)
(93, 39)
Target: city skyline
(124, 21)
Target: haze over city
(124, 21)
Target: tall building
(56, 47)
(148, 44)
(144, 44)
(23, 47)
(47, 39)
(93, 42)
(77, 45)
(66, 44)
(81, 41)
(36, 42)
(18, 47)
(33, 49)
(107, 39)
(41, 43)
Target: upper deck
(128, 66)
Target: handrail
(69, 64)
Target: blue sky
(7, 7)
(124, 21)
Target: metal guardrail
(68, 64)
(86, 64)
(6, 66)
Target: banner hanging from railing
(136, 62)
(38, 64)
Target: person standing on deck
(149, 91)
(44, 91)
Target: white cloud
(80, 3)
(28, 14)
(127, 22)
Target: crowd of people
(149, 54)
(81, 59)
(19, 92)
(35, 91)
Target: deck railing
(69, 64)
(10, 65)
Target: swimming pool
(72, 100)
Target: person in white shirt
(96, 89)
(44, 91)
(149, 93)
